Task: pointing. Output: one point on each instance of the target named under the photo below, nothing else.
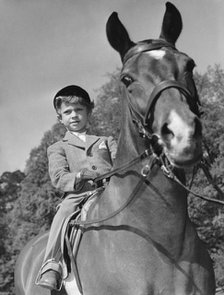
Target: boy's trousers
(66, 207)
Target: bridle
(143, 121)
(145, 131)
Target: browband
(146, 45)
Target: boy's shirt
(70, 155)
(80, 135)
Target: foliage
(10, 186)
(106, 114)
(28, 199)
(208, 217)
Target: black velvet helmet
(73, 90)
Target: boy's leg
(51, 271)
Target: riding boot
(53, 270)
(50, 275)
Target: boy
(73, 162)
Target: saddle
(72, 234)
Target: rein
(123, 206)
(169, 173)
(141, 157)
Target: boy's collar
(90, 139)
(80, 135)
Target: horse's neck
(156, 190)
(157, 207)
(130, 144)
(158, 199)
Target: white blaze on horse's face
(182, 139)
(180, 135)
(156, 54)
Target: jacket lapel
(90, 140)
(74, 140)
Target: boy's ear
(89, 111)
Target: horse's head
(159, 89)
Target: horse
(138, 237)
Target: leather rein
(159, 156)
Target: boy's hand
(86, 174)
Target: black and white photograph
(112, 147)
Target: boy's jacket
(68, 156)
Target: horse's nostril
(166, 133)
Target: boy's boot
(50, 276)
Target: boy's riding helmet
(73, 90)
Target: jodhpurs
(68, 206)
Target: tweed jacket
(69, 155)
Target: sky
(48, 44)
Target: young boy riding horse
(74, 162)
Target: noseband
(164, 85)
(143, 121)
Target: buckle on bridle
(145, 170)
(166, 166)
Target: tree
(107, 112)
(9, 189)
(38, 199)
(10, 185)
(33, 208)
(208, 217)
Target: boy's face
(74, 116)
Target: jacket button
(94, 167)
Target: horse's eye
(127, 80)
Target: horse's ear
(172, 24)
(117, 35)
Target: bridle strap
(147, 45)
(131, 198)
(137, 118)
(162, 86)
(144, 46)
(114, 171)
(169, 173)
(142, 121)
